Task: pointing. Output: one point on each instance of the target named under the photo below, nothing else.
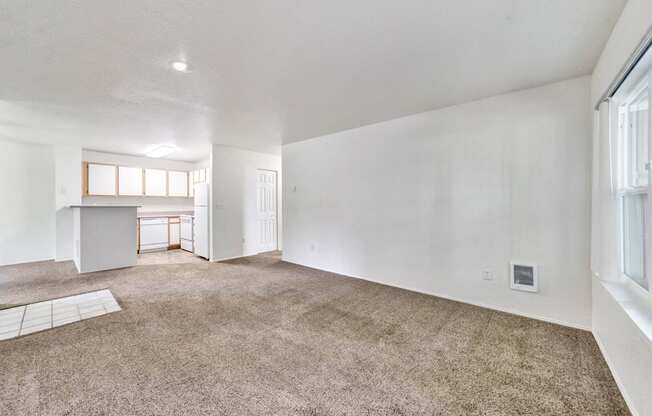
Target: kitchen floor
(41, 316)
(169, 257)
(259, 336)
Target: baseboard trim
(614, 373)
(466, 301)
(27, 261)
(63, 259)
(227, 258)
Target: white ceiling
(264, 73)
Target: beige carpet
(261, 337)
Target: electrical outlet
(487, 275)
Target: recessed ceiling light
(162, 150)
(180, 66)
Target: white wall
(427, 202)
(626, 346)
(149, 203)
(627, 350)
(67, 176)
(233, 200)
(27, 209)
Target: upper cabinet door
(101, 179)
(130, 181)
(178, 183)
(156, 182)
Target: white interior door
(266, 206)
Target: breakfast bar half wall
(104, 236)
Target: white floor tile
(64, 306)
(48, 314)
(15, 309)
(8, 335)
(12, 312)
(90, 307)
(64, 314)
(15, 326)
(39, 305)
(112, 308)
(35, 328)
(65, 309)
(93, 314)
(37, 318)
(86, 297)
(37, 321)
(87, 302)
(64, 321)
(11, 319)
(65, 301)
(42, 307)
(38, 313)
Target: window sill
(634, 304)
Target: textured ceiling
(271, 72)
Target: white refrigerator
(201, 222)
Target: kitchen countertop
(163, 214)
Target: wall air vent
(524, 276)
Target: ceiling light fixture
(180, 66)
(161, 150)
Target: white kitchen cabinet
(130, 181)
(101, 179)
(202, 175)
(177, 183)
(175, 232)
(186, 233)
(191, 185)
(153, 234)
(156, 183)
(186, 245)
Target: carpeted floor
(258, 336)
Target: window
(633, 179)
